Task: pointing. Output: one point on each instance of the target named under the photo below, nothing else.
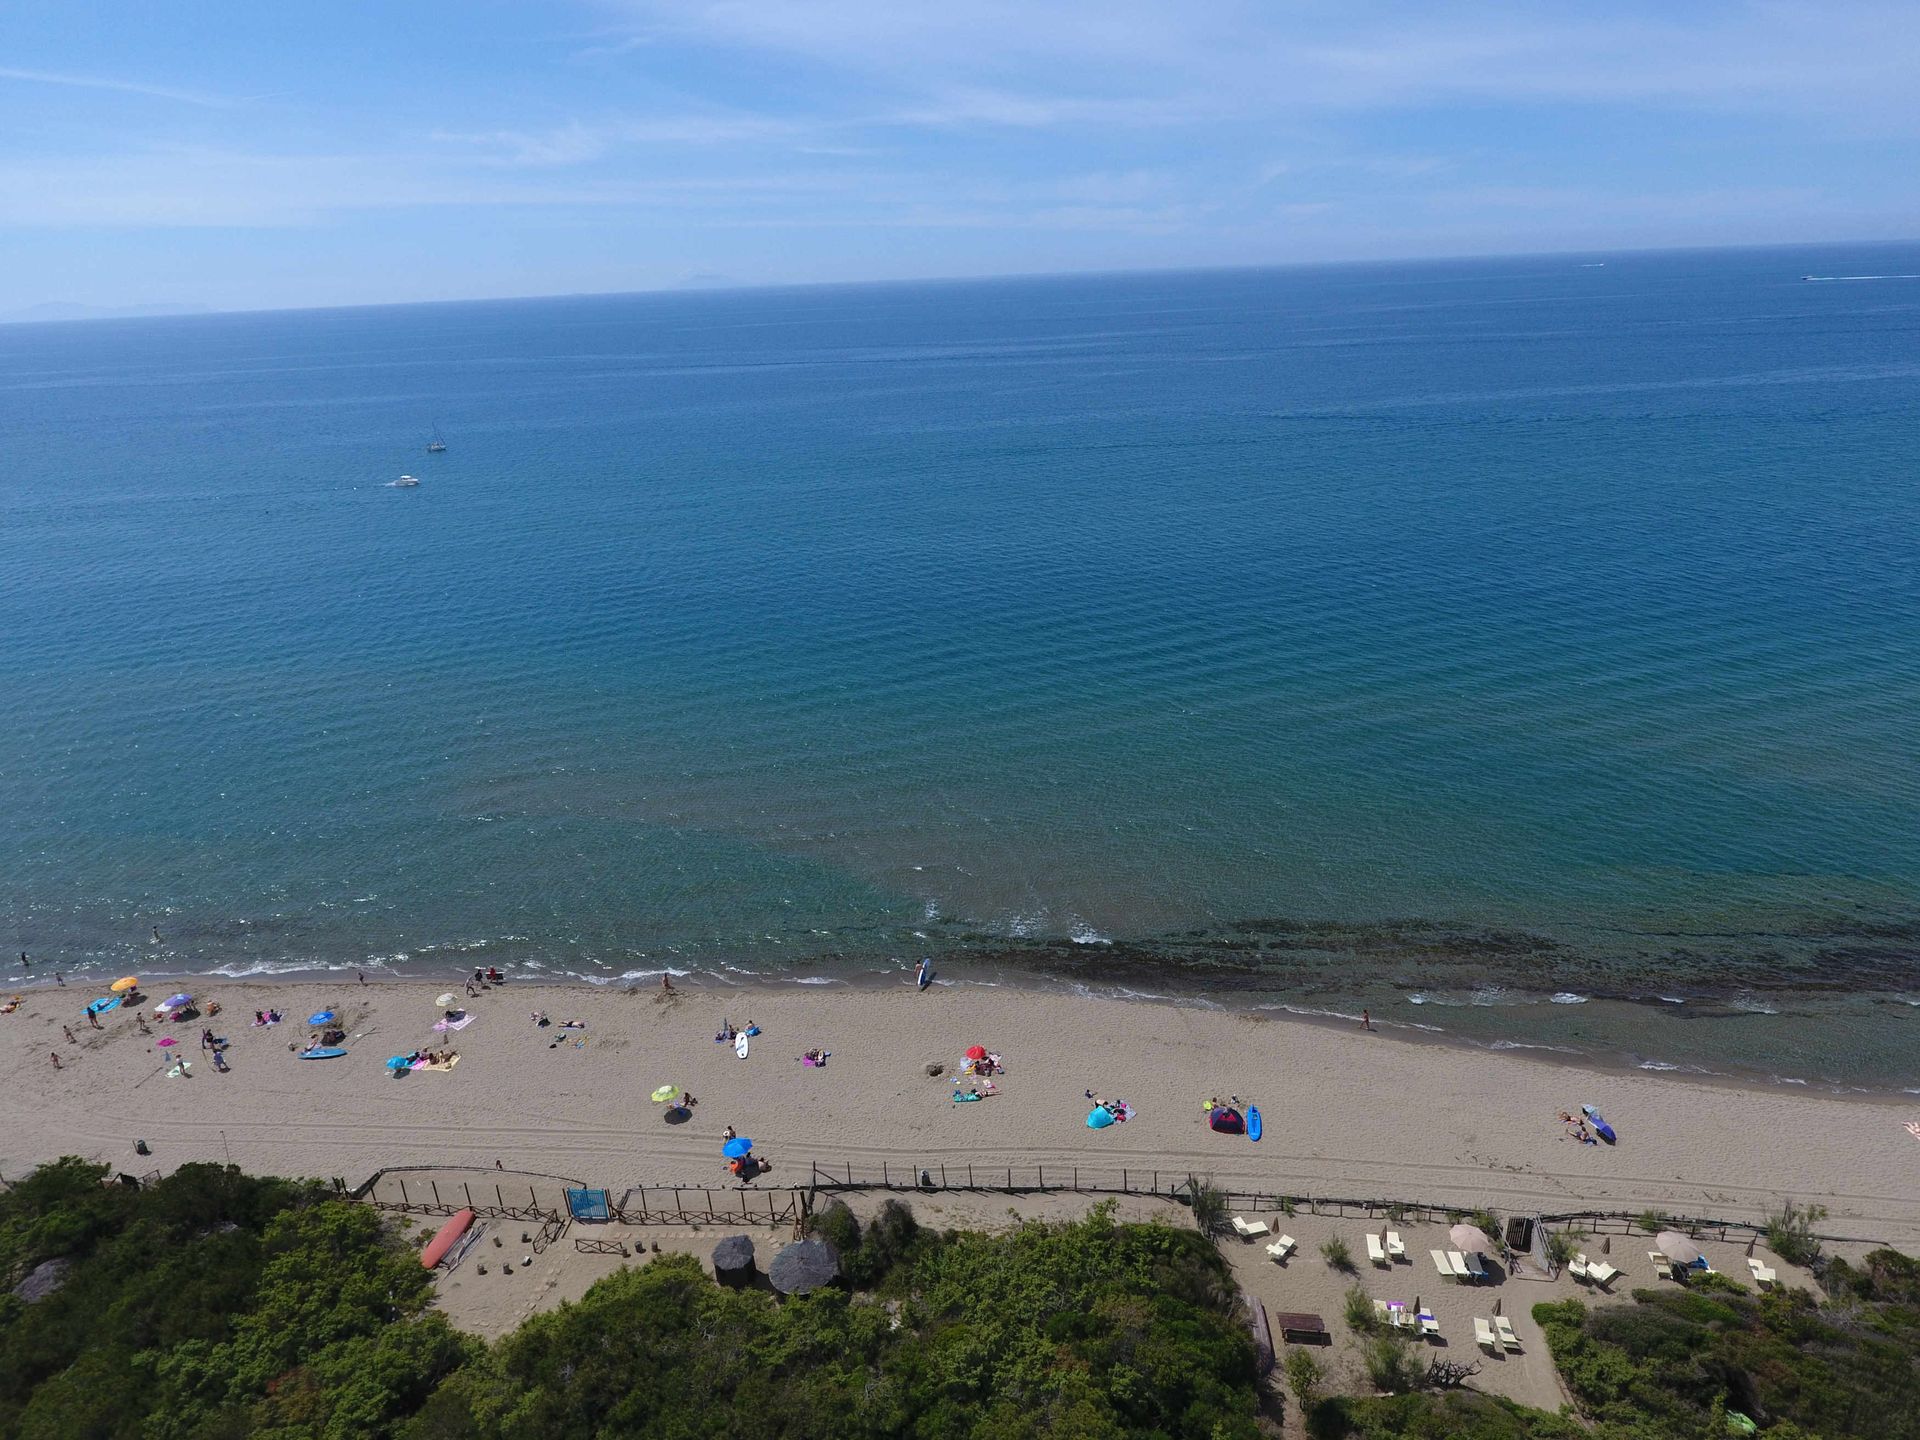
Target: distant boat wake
(1830, 278)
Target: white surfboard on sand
(740, 1045)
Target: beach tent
(399, 1063)
(1226, 1121)
(1099, 1118)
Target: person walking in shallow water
(1366, 1020)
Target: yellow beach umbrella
(125, 983)
(665, 1092)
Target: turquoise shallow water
(1434, 638)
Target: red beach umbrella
(976, 1052)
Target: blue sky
(246, 155)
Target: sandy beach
(1347, 1113)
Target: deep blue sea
(1447, 639)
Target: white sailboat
(436, 446)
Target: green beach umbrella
(665, 1092)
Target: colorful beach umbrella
(736, 1148)
(166, 1040)
(976, 1052)
(665, 1092)
(124, 983)
(447, 1001)
(175, 1002)
(321, 1017)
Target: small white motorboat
(402, 483)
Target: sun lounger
(1380, 1312)
(1248, 1229)
(1475, 1268)
(1660, 1262)
(1507, 1336)
(1483, 1333)
(1763, 1275)
(1281, 1248)
(1396, 1247)
(1429, 1325)
(1577, 1267)
(1376, 1252)
(1458, 1262)
(1440, 1263)
(1601, 1273)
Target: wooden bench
(1301, 1327)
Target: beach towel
(446, 1064)
(445, 1025)
(959, 1099)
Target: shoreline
(1347, 1112)
(875, 979)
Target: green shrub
(1790, 1232)
(1304, 1377)
(1357, 1307)
(1336, 1254)
(1652, 1221)
(1391, 1363)
(835, 1224)
(1209, 1207)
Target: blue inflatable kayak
(1253, 1122)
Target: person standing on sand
(363, 976)
(666, 982)
(1366, 1020)
(56, 1058)
(67, 1030)
(93, 1020)
(58, 978)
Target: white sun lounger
(1376, 1252)
(1396, 1247)
(1483, 1333)
(1475, 1268)
(1763, 1275)
(1248, 1229)
(1660, 1262)
(1459, 1264)
(1281, 1248)
(1429, 1325)
(1600, 1273)
(1507, 1336)
(1577, 1267)
(1440, 1263)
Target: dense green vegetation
(217, 1305)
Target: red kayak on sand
(445, 1238)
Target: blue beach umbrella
(736, 1148)
(175, 1002)
(321, 1017)
(400, 1062)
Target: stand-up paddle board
(740, 1046)
(1253, 1122)
(325, 1052)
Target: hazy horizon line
(129, 311)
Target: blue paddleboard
(1253, 1122)
(325, 1052)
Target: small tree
(1563, 1245)
(1358, 1307)
(1209, 1208)
(1790, 1232)
(1652, 1221)
(1304, 1375)
(1338, 1255)
(1390, 1363)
